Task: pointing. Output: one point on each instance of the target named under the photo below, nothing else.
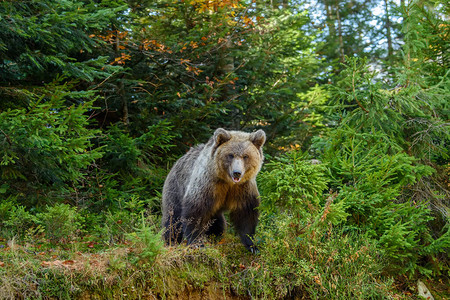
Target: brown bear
(210, 179)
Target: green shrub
(371, 178)
(147, 241)
(18, 219)
(292, 182)
(53, 283)
(323, 263)
(62, 222)
(301, 253)
(6, 205)
(122, 219)
(131, 167)
(45, 147)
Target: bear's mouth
(236, 176)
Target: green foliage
(353, 29)
(209, 60)
(45, 146)
(323, 264)
(147, 239)
(130, 168)
(305, 118)
(373, 174)
(18, 221)
(121, 219)
(40, 39)
(136, 158)
(53, 283)
(6, 206)
(426, 34)
(293, 182)
(411, 116)
(368, 182)
(62, 222)
(98, 98)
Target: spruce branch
(8, 139)
(354, 94)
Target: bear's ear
(258, 138)
(221, 136)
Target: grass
(328, 265)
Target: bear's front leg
(195, 218)
(216, 226)
(192, 231)
(245, 220)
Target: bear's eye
(246, 157)
(230, 156)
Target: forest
(99, 98)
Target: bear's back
(178, 178)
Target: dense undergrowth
(315, 264)
(315, 244)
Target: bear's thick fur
(210, 179)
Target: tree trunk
(120, 86)
(341, 42)
(225, 67)
(388, 31)
(330, 19)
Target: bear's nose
(237, 174)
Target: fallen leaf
(45, 264)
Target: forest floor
(86, 270)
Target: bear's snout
(237, 170)
(237, 174)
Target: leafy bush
(292, 182)
(379, 157)
(370, 177)
(45, 147)
(129, 155)
(6, 205)
(62, 222)
(19, 220)
(147, 242)
(322, 263)
(301, 249)
(134, 163)
(122, 219)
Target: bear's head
(238, 155)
